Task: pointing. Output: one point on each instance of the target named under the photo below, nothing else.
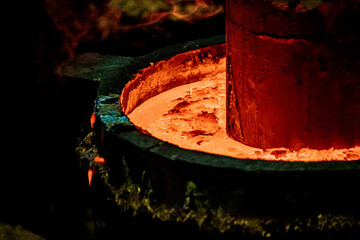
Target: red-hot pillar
(293, 73)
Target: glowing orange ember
(98, 159)
(193, 115)
(90, 175)
(92, 120)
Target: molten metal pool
(192, 115)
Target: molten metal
(193, 115)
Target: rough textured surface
(214, 196)
(193, 115)
(166, 74)
(293, 73)
(114, 121)
(160, 188)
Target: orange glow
(92, 120)
(280, 94)
(193, 116)
(90, 175)
(98, 159)
(191, 11)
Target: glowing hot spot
(92, 120)
(90, 175)
(98, 159)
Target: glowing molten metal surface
(193, 116)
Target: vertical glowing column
(293, 73)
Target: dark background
(43, 188)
